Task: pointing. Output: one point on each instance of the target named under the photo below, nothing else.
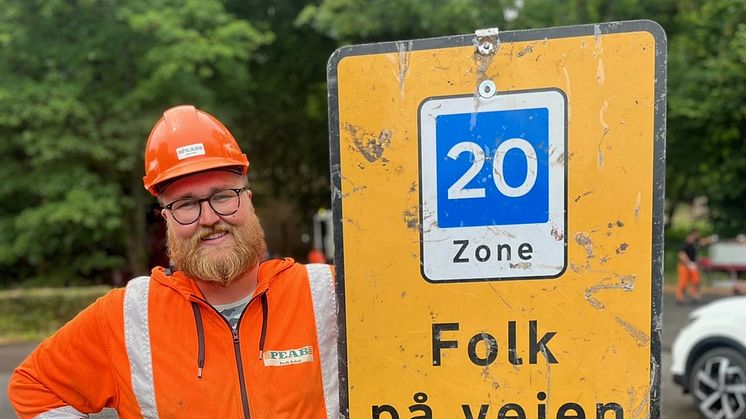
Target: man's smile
(213, 237)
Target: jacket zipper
(236, 351)
(239, 362)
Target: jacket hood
(186, 286)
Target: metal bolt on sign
(487, 40)
(486, 46)
(487, 89)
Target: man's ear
(251, 193)
(164, 213)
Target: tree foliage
(706, 88)
(381, 20)
(285, 127)
(82, 82)
(707, 111)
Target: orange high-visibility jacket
(158, 349)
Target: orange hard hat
(187, 140)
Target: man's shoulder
(287, 270)
(311, 269)
(279, 268)
(114, 299)
(107, 308)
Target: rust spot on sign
(411, 218)
(625, 283)
(529, 49)
(638, 335)
(371, 148)
(577, 198)
(521, 265)
(586, 242)
(557, 234)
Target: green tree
(381, 20)
(286, 126)
(359, 21)
(707, 112)
(705, 82)
(80, 84)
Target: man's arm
(706, 241)
(70, 373)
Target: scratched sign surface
(498, 223)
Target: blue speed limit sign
(493, 175)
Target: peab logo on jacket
(288, 357)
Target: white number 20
(459, 191)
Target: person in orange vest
(221, 333)
(687, 268)
(316, 256)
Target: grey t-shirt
(232, 311)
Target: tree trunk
(135, 229)
(136, 238)
(675, 195)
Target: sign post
(498, 210)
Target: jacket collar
(186, 286)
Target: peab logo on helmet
(190, 150)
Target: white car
(709, 358)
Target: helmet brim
(192, 167)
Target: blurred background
(83, 81)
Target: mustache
(213, 265)
(204, 232)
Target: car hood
(730, 306)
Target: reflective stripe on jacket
(157, 349)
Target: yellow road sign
(498, 207)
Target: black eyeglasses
(224, 202)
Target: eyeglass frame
(199, 201)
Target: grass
(33, 314)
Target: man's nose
(208, 216)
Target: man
(221, 334)
(687, 268)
